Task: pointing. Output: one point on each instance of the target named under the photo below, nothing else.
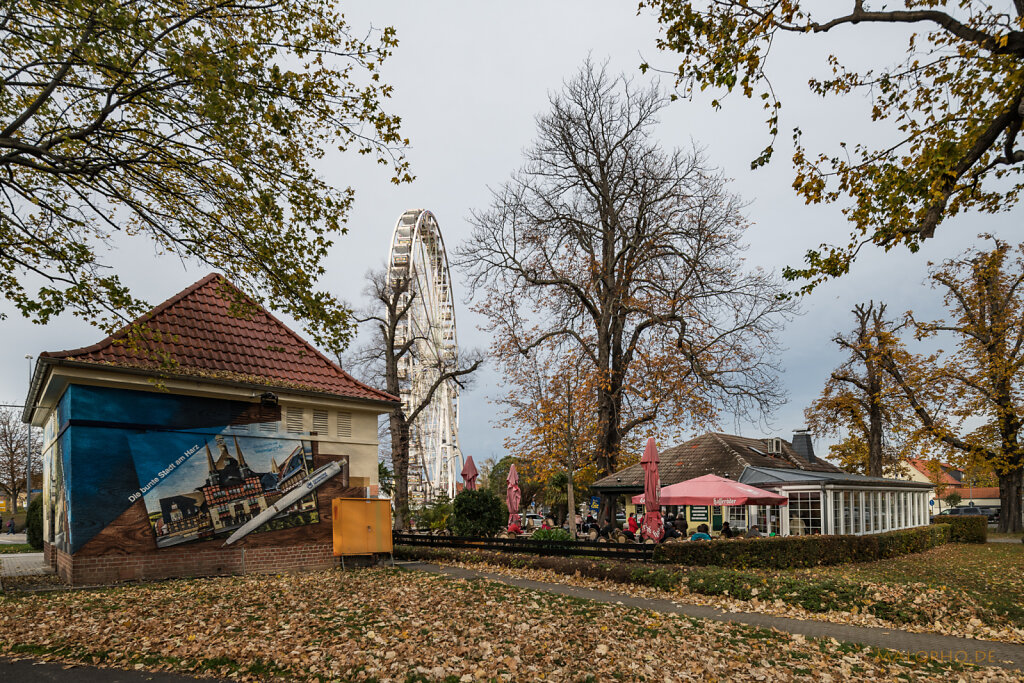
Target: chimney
(802, 445)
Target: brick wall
(81, 570)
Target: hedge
(802, 551)
(34, 523)
(966, 528)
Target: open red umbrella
(714, 490)
(469, 474)
(512, 494)
(653, 526)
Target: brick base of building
(168, 563)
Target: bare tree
(14, 445)
(607, 247)
(390, 300)
(862, 398)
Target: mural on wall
(201, 466)
(198, 486)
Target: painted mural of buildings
(232, 494)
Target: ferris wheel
(418, 257)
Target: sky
(469, 79)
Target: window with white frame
(804, 513)
(855, 511)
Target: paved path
(27, 671)
(6, 538)
(24, 564)
(1007, 655)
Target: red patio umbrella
(469, 474)
(714, 490)
(653, 526)
(512, 494)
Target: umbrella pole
(571, 500)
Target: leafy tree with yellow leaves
(983, 377)
(955, 103)
(190, 126)
(551, 406)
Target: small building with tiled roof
(162, 440)
(822, 497)
(943, 476)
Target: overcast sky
(469, 79)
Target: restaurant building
(823, 499)
(164, 439)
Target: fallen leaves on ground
(393, 625)
(964, 590)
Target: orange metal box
(362, 526)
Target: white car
(533, 520)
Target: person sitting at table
(753, 532)
(726, 530)
(634, 526)
(702, 534)
(513, 526)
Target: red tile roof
(713, 453)
(201, 335)
(966, 493)
(925, 468)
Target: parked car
(533, 520)
(966, 510)
(992, 513)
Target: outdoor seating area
(768, 487)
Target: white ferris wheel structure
(418, 256)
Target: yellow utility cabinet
(362, 526)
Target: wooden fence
(617, 551)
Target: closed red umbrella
(512, 494)
(469, 474)
(653, 526)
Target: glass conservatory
(835, 503)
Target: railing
(619, 551)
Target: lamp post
(28, 444)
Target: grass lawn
(12, 548)
(19, 520)
(390, 624)
(990, 575)
(996, 534)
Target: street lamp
(28, 443)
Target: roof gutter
(34, 387)
(44, 367)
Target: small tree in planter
(477, 513)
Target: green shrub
(551, 535)
(965, 528)
(34, 523)
(477, 513)
(800, 551)
(435, 515)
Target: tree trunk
(875, 438)
(571, 501)
(399, 427)
(611, 436)
(1010, 488)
